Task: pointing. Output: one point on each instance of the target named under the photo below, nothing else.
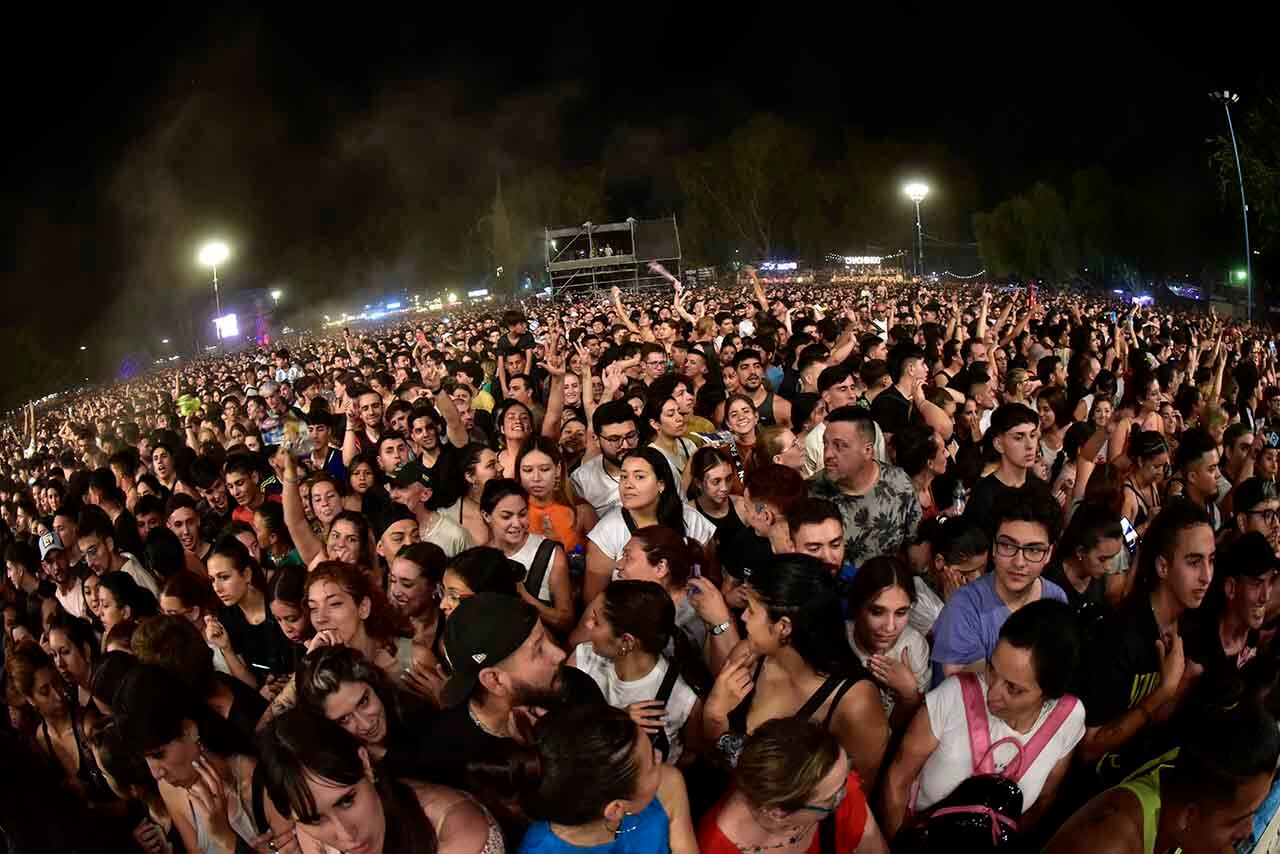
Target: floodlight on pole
(211, 255)
(1226, 99)
(276, 293)
(916, 192)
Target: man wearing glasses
(968, 628)
(1257, 508)
(596, 480)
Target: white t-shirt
(448, 535)
(525, 557)
(596, 486)
(610, 534)
(917, 655)
(924, 612)
(138, 573)
(952, 762)
(621, 694)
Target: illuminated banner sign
(862, 260)
(779, 265)
(226, 326)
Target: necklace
(481, 724)
(791, 840)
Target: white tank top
(525, 557)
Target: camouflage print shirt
(878, 522)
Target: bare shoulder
(1111, 823)
(671, 789)
(454, 815)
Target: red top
(851, 821)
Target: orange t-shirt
(555, 522)
(851, 822)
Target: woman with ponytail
(628, 627)
(591, 779)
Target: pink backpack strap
(975, 717)
(1036, 744)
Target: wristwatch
(720, 629)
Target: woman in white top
(504, 506)
(1032, 726)
(649, 496)
(880, 600)
(627, 627)
(668, 425)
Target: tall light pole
(916, 191)
(1226, 99)
(212, 254)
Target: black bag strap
(541, 561)
(660, 740)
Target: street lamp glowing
(1241, 276)
(213, 253)
(164, 340)
(916, 191)
(276, 294)
(82, 347)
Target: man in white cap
(57, 565)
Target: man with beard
(1224, 635)
(506, 669)
(364, 423)
(596, 480)
(770, 408)
(56, 565)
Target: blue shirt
(970, 622)
(647, 832)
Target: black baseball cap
(482, 631)
(393, 513)
(410, 473)
(1252, 492)
(1250, 556)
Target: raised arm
(295, 518)
(350, 443)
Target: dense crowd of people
(783, 568)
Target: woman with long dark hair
(505, 505)
(475, 465)
(202, 764)
(880, 600)
(347, 609)
(74, 649)
(340, 683)
(244, 629)
(347, 538)
(553, 512)
(628, 628)
(590, 779)
(649, 496)
(715, 490)
(515, 423)
(319, 776)
(796, 661)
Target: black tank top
(838, 685)
(727, 527)
(765, 411)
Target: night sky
(310, 142)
